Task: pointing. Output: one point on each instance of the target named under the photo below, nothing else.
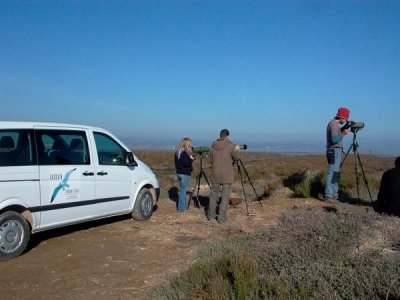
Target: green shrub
(303, 189)
(309, 255)
(272, 289)
(232, 276)
(347, 183)
(310, 187)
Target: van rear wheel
(14, 235)
(143, 208)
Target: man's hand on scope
(348, 125)
(345, 127)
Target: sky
(269, 71)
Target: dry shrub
(272, 183)
(314, 253)
(309, 255)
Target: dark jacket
(389, 192)
(183, 164)
(222, 156)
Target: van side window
(16, 148)
(109, 151)
(62, 147)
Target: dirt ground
(119, 258)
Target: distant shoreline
(383, 148)
(283, 152)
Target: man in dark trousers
(223, 154)
(389, 191)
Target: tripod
(240, 166)
(357, 165)
(197, 184)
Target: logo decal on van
(62, 185)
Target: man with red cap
(334, 149)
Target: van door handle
(102, 173)
(87, 173)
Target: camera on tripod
(353, 126)
(356, 126)
(201, 151)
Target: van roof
(11, 124)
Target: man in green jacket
(223, 154)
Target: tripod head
(201, 152)
(356, 126)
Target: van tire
(14, 235)
(143, 208)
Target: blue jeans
(334, 157)
(184, 183)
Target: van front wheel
(14, 235)
(143, 208)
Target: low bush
(272, 184)
(309, 255)
(229, 276)
(315, 185)
(310, 186)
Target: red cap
(343, 112)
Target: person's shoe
(330, 199)
(211, 222)
(221, 220)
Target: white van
(52, 175)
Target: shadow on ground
(37, 238)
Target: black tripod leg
(363, 175)
(205, 177)
(345, 156)
(244, 192)
(197, 184)
(198, 190)
(251, 183)
(357, 174)
(358, 166)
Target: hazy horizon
(380, 147)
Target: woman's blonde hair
(186, 143)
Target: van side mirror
(130, 160)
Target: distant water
(284, 148)
(381, 147)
